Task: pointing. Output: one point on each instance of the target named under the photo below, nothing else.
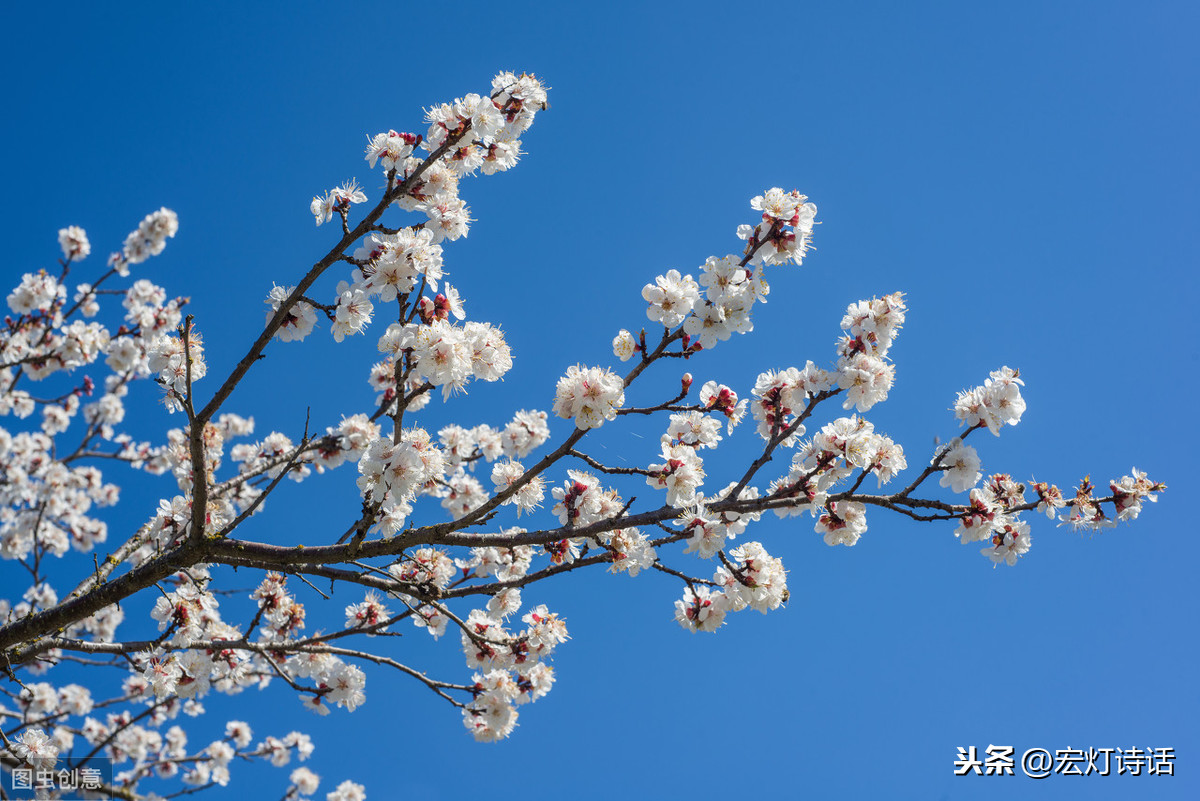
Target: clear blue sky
(1026, 172)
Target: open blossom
(390, 149)
(304, 780)
(177, 364)
(34, 747)
(529, 496)
(624, 345)
(889, 459)
(1130, 491)
(753, 579)
(1050, 498)
(727, 282)
(449, 218)
(694, 429)
(842, 522)
(630, 551)
(74, 243)
(85, 296)
(150, 237)
(368, 613)
(492, 716)
(1009, 544)
(345, 685)
(776, 401)
(491, 356)
(977, 524)
(395, 262)
(337, 199)
(706, 532)
(527, 431)
(786, 229)
(871, 325)
(591, 395)
(348, 791)
(501, 156)
(701, 609)
(579, 501)
(546, 630)
(301, 319)
(392, 474)
(997, 403)
(37, 291)
(353, 311)
(424, 566)
(680, 474)
(962, 467)
(707, 325)
(671, 298)
(777, 205)
(865, 379)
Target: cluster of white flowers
(33, 747)
(591, 395)
(780, 395)
(731, 284)
(842, 522)
(479, 133)
(527, 496)
(337, 200)
(426, 567)
(515, 671)
(449, 356)
(485, 130)
(1086, 512)
(671, 298)
(961, 465)
(848, 444)
(346, 442)
(148, 240)
(393, 264)
(39, 292)
(74, 243)
(581, 500)
(526, 432)
(493, 715)
(692, 429)
(43, 495)
(786, 228)
(707, 530)
(996, 403)
(991, 517)
(301, 319)
(281, 616)
(178, 364)
(629, 550)
(863, 371)
(390, 149)
(681, 473)
(474, 132)
(165, 754)
(337, 682)
(751, 578)
(392, 474)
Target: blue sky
(1025, 172)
